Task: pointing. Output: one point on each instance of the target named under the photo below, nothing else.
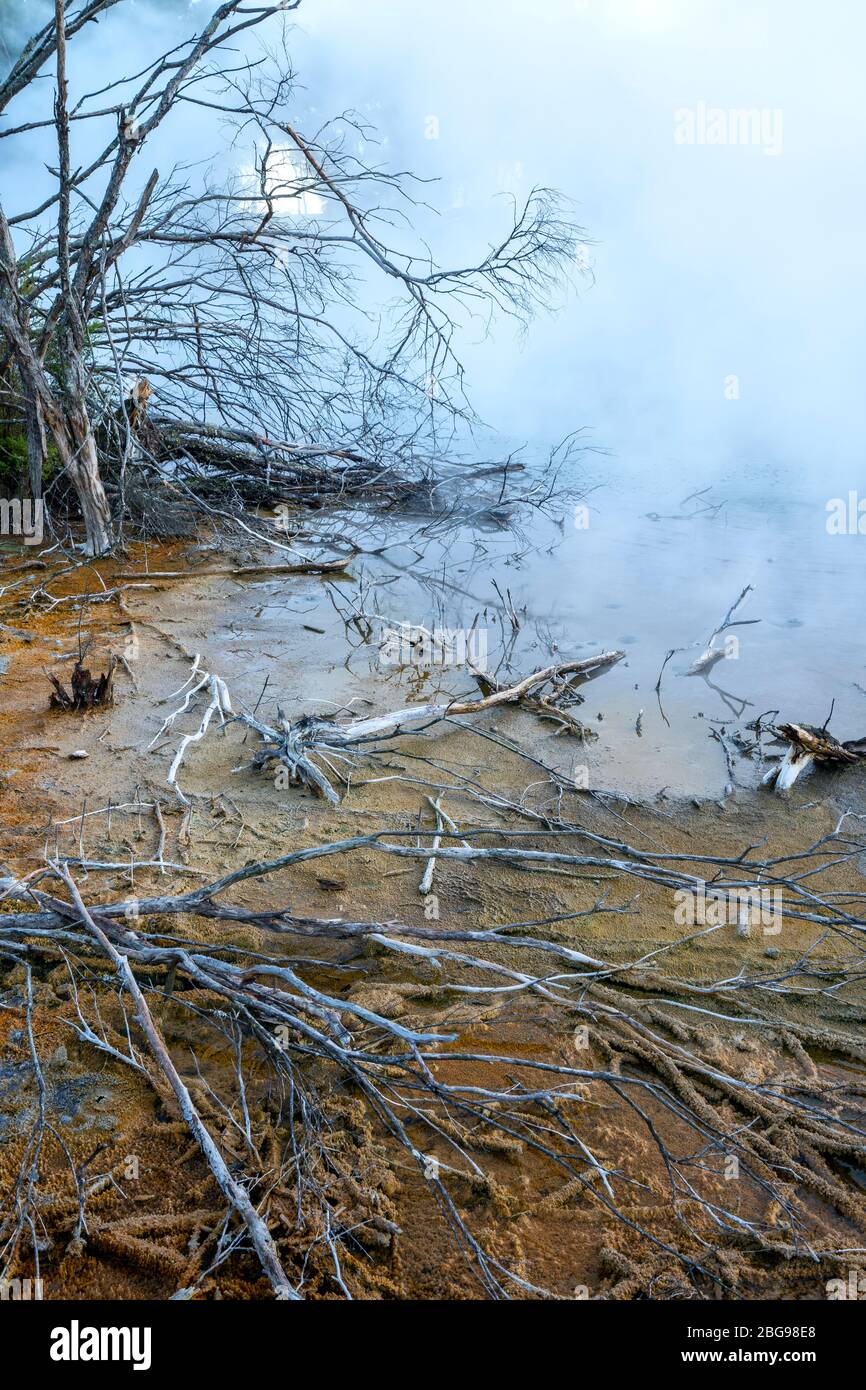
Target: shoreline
(551, 1226)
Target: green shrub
(14, 463)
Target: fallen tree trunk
(293, 744)
(336, 566)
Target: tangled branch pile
(444, 1105)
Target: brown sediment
(155, 1218)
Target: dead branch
(727, 1113)
(293, 744)
(234, 1192)
(307, 567)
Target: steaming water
(648, 574)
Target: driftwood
(293, 744)
(711, 654)
(219, 703)
(554, 704)
(808, 746)
(86, 691)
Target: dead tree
(252, 310)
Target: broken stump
(86, 691)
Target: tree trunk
(76, 442)
(76, 445)
(37, 447)
(64, 413)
